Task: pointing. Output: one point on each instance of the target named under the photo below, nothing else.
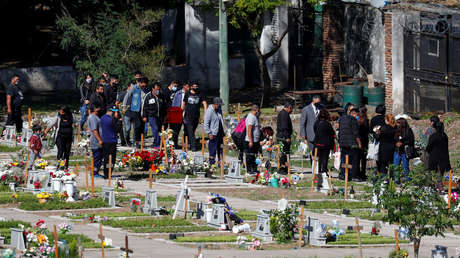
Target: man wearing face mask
(14, 100)
(253, 137)
(151, 112)
(98, 98)
(87, 89)
(111, 91)
(191, 104)
(167, 95)
(177, 102)
(214, 127)
(132, 103)
(349, 141)
(308, 120)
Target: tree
(117, 42)
(416, 205)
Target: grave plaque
(263, 227)
(151, 204)
(180, 201)
(108, 195)
(317, 232)
(26, 134)
(325, 184)
(17, 239)
(217, 216)
(199, 161)
(9, 134)
(41, 176)
(234, 173)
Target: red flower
(4, 177)
(135, 202)
(39, 223)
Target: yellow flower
(43, 195)
(15, 196)
(41, 238)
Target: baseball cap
(114, 109)
(217, 101)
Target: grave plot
(158, 225)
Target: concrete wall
(44, 80)
(364, 41)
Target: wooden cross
(347, 167)
(126, 248)
(330, 183)
(142, 142)
(449, 191)
(186, 144)
(222, 167)
(203, 143)
(164, 144)
(186, 197)
(76, 170)
(78, 134)
(238, 112)
(56, 239)
(183, 143)
(302, 208)
(92, 177)
(278, 156)
(86, 174)
(27, 168)
(102, 238)
(359, 228)
(289, 168)
(110, 170)
(315, 163)
(397, 240)
(29, 117)
(151, 180)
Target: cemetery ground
(149, 236)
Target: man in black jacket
(350, 142)
(151, 112)
(98, 99)
(110, 92)
(87, 88)
(283, 134)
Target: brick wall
(333, 43)
(388, 62)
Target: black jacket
(364, 133)
(387, 144)
(283, 125)
(152, 106)
(99, 100)
(438, 148)
(378, 120)
(407, 140)
(86, 90)
(324, 135)
(348, 131)
(110, 93)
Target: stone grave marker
(17, 239)
(108, 195)
(218, 216)
(234, 173)
(316, 232)
(9, 135)
(263, 227)
(325, 184)
(180, 200)
(199, 161)
(41, 176)
(150, 204)
(26, 134)
(200, 210)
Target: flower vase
(69, 189)
(274, 182)
(12, 186)
(57, 185)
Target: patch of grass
(6, 198)
(351, 238)
(4, 148)
(339, 205)
(135, 223)
(367, 215)
(112, 214)
(247, 214)
(62, 205)
(5, 188)
(173, 176)
(69, 238)
(219, 239)
(172, 229)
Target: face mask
(196, 90)
(357, 117)
(89, 80)
(156, 92)
(174, 88)
(16, 83)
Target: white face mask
(89, 80)
(16, 83)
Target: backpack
(239, 133)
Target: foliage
(401, 254)
(172, 229)
(351, 238)
(57, 204)
(338, 205)
(118, 42)
(132, 223)
(247, 215)
(282, 224)
(416, 205)
(5, 148)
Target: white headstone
(262, 230)
(325, 185)
(282, 204)
(316, 232)
(234, 172)
(217, 216)
(180, 199)
(108, 195)
(17, 239)
(151, 204)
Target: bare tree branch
(277, 44)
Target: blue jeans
(153, 121)
(84, 115)
(215, 147)
(135, 123)
(97, 157)
(401, 158)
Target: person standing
(167, 94)
(438, 150)
(119, 120)
(404, 138)
(387, 144)
(109, 138)
(307, 121)
(98, 99)
(151, 112)
(191, 106)
(376, 123)
(95, 140)
(252, 139)
(177, 102)
(283, 135)
(64, 133)
(35, 145)
(425, 157)
(111, 92)
(87, 88)
(132, 103)
(349, 142)
(363, 123)
(323, 142)
(214, 128)
(14, 99)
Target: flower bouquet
(43, 197)
(40, 164)
(64, 228)
(142, 159)
(134, 204)
(37, 241)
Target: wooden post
(151, 177)
(92, 177)
(110, 170)
(29, 117)
(186, 144)
(449, 191)
(80, 249)
(142, 142)
(203, 142)
(102, 238)
(224, 149)
(238, 112)
(222, 168)
(183, 143)
(359, 228)
(76, 170)
(330, 183)
(347, 167)
(56, 239)
(27, 168)
(315, 163)
(126, 248)
(78, 134)
(299, 243)
(278, 155)
(289, 167)
(185, 203)
(162, 139)
(86, 172)
(397, 240)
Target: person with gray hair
(214, 128)
(308, 120)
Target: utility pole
(223, 56)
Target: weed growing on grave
(62, 205)
(283, 223)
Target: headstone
(151, 204)
(64, 249)
(234, 173)
(282, 204)
(439, 252)
(199, 161)
(317, 232)
(200, 210)
(180, 201)
(325, 185)
(17, 239)
(41, 176)
(218, 216)
(263, 227)
(26, 134)
(9, 135)
(108, 195)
